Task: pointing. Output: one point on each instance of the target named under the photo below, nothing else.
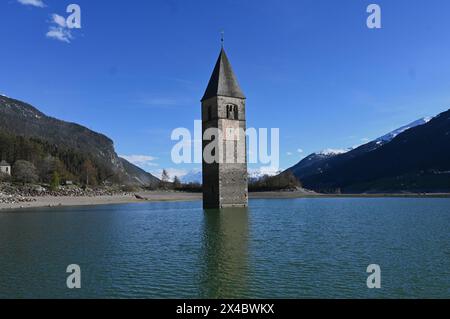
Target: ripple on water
(275, 249)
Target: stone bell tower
(225, 182)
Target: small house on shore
(5, 168)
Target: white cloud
(300, 150)
(60, 34)
(34, 3)
(143, 161)
(289, 153)
(59, 20)
(59, 31)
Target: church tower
(225, 182)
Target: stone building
(5, 168)
(223, 109)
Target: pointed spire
(223, 81)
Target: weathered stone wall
(225, 184)
(233, 185)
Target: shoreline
(74, 201)
(160, 196)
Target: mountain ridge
(319, 161)
(24, 120)
(411, 159)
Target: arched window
(232, 112)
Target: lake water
(299, 248)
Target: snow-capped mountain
(262, 171)
(414, 158)
(332, 152)
(194, 176)
(319, 162)
(391, 135)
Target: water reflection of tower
(225, 254)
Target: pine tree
(55, 183)
(176, 183)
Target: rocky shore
(13, 196)
(11, 199)
(20, 194)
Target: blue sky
(137, 69)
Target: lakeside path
(159, 196)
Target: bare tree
(24, 172)
(89, 173)
(165, 176)
(164, 180)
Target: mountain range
(413, 158)
(19, 119)
(195, 176)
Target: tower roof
(4, 163)
(223, 81)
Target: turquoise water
(300, 248)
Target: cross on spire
(222, 37)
